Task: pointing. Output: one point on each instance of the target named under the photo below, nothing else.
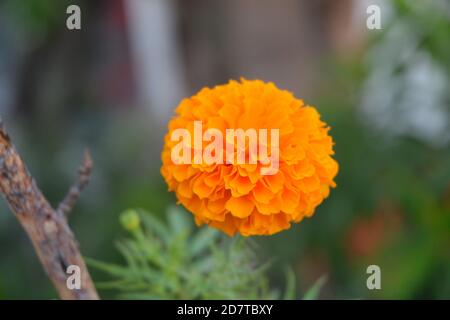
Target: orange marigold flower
(237, 197)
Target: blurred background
(113, 85)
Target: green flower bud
(130, 220)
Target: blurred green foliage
(39, 17)
(173, 262)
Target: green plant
(174, 262)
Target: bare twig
(84, 175)
(48, 230)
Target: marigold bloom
(236, 197)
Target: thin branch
(48, 230)
(84, 175)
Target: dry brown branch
(84, 175)
(47, 228)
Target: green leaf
(290, 284)
(202, 240)
(314, 291)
